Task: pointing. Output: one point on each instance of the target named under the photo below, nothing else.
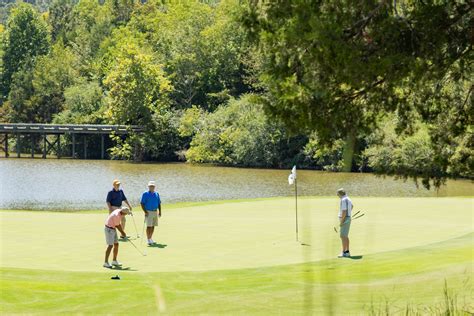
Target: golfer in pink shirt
(112, 223)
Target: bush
(237, 134)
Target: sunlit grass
(429, 273)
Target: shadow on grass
(116, 268)
(157, 246)
(356, 257)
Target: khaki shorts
(110, 236)
(151, 219)
(344, 231)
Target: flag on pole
(292, 180)
(292, 176)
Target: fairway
(418, 241)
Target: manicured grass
(242, 258)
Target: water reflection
(83, 184)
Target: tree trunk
(348, 154)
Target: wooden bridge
(37, 131)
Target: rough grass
(417, 265)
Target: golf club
(134, 224)
(133, 244)
(359, 216)
(143, 231)
(354, 217)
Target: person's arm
(122, 232)
(124, 199)
(343, 217)
(110, 207)
(129, 206)
(143, 208)
(142, 203)
(159, 204)
(109, 198)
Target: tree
(60, 18)
(201, 47)
(122, 10)
(18, 107)
(335, 67)
(49, 86)
(405, 156)
(138, 92)
(92, 25)
(237, 133)
(26, 36)
(83, 104)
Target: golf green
(235, 256)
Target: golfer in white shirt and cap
(345, 213)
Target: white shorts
(110, 236)
(151, 219)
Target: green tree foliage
(5, 7)
(329, 158)
(238, 133)
(83, 104)
(61, 18)
(405, 156)
(93, 23)
(139, 95)
(335, 66)
(18, 107)
(50, 85)
(122, 10)
(26, 36)
(37, 95)
(201, 47)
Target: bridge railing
(15, 128)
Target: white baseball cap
(151, 183)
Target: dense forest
(371, 86)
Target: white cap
(151, 183)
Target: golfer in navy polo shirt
(151, 204)
(114, 200)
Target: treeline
(246, 84)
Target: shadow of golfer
(356, 257)
(157, 246)
(123, 268)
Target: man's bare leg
(116, 247)
(107, 253)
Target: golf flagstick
(291, 180)
(296, 207)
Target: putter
(133, 244)
(143, 231)
(134, 224)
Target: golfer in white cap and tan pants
(345, 213)
(151, 205)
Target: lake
(65, 184)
